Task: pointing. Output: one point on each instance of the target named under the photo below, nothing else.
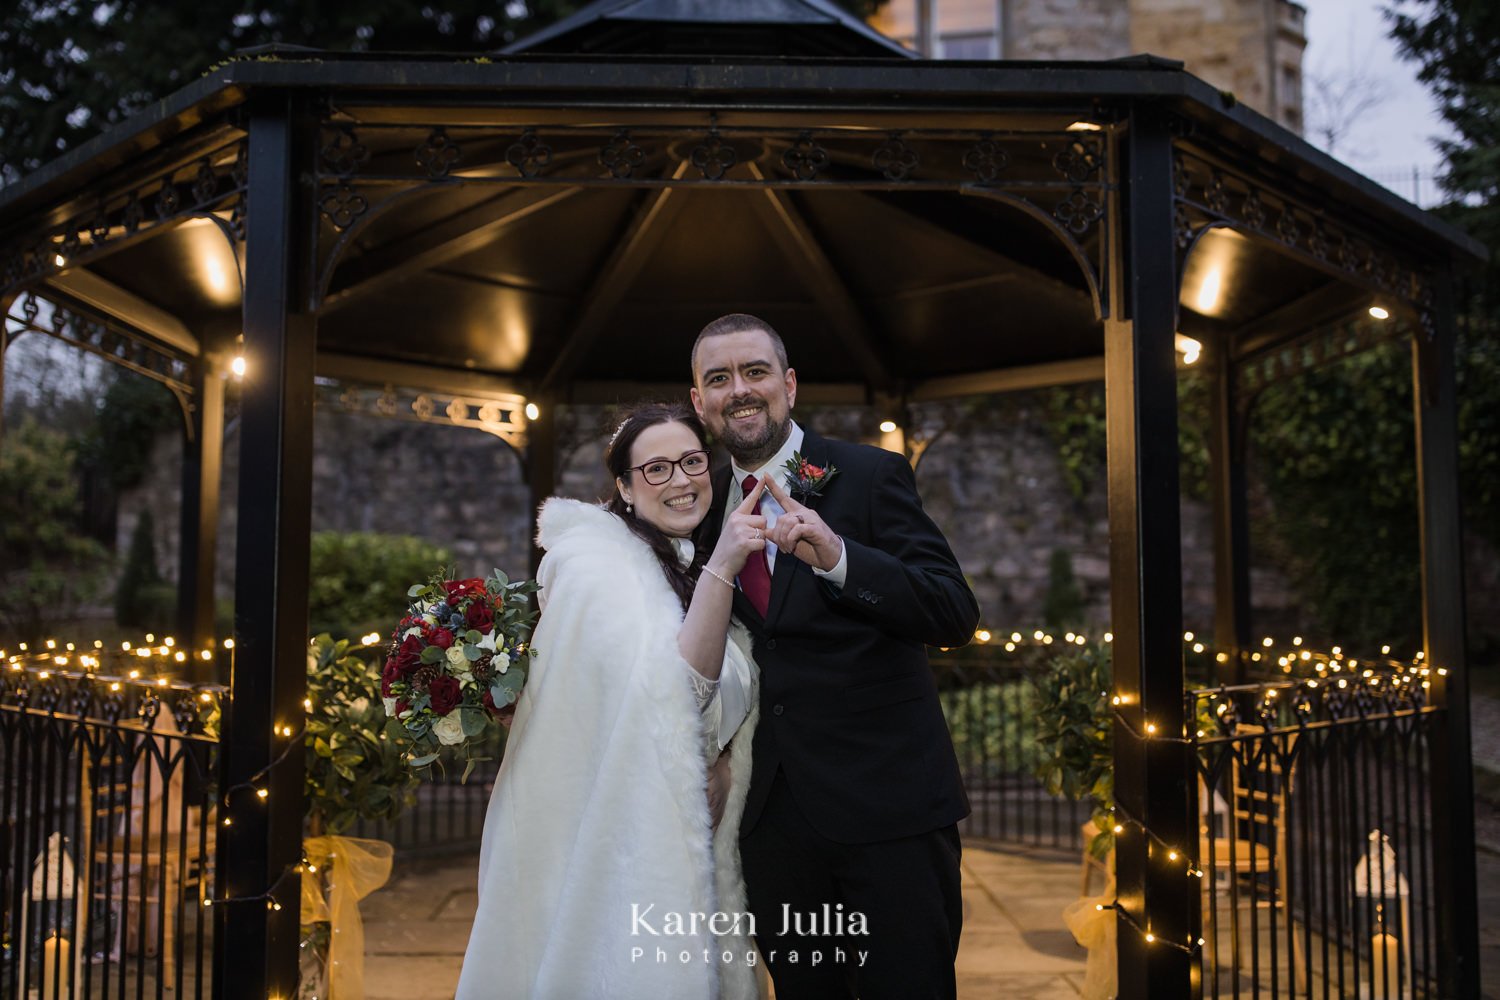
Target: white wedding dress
(598, 827)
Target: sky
(1395, 135)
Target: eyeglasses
(661, 470)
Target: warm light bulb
(887, 426)
(1187, 637)
(262, 793)
(228, 643)
(1109, 637)
(1380, 312)
(982, 635)
(533, 411)
(238, 366)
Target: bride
(610, 863)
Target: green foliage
(131, 416)
(143, 600)
(354, 769)
(992, 727)
(1071, 707)
(1077, 425)
(1335, 450)
(47, 567)
(69, 70)
(1479, 423)
(1064, 602)
(358, 580)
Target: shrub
(359, 579)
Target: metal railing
(986, 695)
(106, 834)
(1316, 838)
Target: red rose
(441, 638)
(480, 616)
(390, 675)
(401, 706)
(446, 693)
(409, 656)
(459, 589)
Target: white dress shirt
(771, 510)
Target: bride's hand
(744, 533)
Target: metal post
(202, 466)
(1226, 452)
(256, 946)
(6, 301)
(1152, 786)
(541, 461)
(1452, 772)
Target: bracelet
(727, 583)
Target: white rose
(456, 655)
(411, 632)
(449, 729)
(390, 706)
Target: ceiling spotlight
(238, 366)
(887, 426)
(1380, 312)
(533, 411)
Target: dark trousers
(907, 890)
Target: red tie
(755, 578)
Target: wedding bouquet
(457, 661)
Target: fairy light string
(1383, 675)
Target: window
(970, 45)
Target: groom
(855, 792)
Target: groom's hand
(802, 532)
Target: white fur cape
(599, 811)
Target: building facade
(1251, 48)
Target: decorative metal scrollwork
(1182, 225)
(895, 158)
(1079, 160)
(805, 159)
(1180, 181)
(134, 215)
(342, 153)
(437, 154)
(205, 184)
(986, 159)
(1287, 228)
(621, 156)
(1318, 241)
(713, 157)
(528, 154)
(1078, 212)
(1214, 195)
(99, 227)
(1348, 254)
(1253, 211)
(30, 308)
(167, 200)
(342, 206)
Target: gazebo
(487, 240)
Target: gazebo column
(1226, 451)
(541, 461)
(1451, 765)
(202, 466)
(261, 748)
(6, 301)
(1152, 787)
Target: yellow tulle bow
(1095, 930)
(353, 868)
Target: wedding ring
(758, 535)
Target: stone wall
(993, 484)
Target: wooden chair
(1243, 843)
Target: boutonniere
(805, 479)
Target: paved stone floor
(1014, 945)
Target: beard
(752, 447)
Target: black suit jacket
(848, 706)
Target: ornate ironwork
(1316, 350)
(895, 159)
(343, 206)
(437, 154)
(1080, 160)
(805, 159)
(500, 415)
(1078, 211)
(111, 341)
(986, 159)
(528, 154)
(342, 153)
(621, 156)
(1211, 193)
(209, 184)
(713, 157)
